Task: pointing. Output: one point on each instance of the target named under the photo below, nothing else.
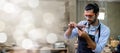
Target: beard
(92, 22)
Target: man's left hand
(82, 34)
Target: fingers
(72, 25)
(82, 33)
(79, 32)
(80, 27)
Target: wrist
(70, 28)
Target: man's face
(90, 16)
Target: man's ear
(97, 14)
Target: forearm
(68, 32)
(90, 42)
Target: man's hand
(72, 25)
(90, 43)
(82, 33)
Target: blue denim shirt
(104, 35)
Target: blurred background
(38, 26)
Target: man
(92, 34)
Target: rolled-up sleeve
(74, 31)
(73, 34)
(102, 40)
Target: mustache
(89, 20)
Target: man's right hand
(72, 25)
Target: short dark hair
(93, 6)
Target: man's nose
(88, 18)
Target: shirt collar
(93, 27)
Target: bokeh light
(48, 18)
(21, 3)
(11, 8)
(25, 27)
(18, 33)
(51, 38)
(27, 21)
(17, 1)
(33, 3)
(2, 26)
(2, 3)
(3, 37)
(34, 34)
(18, 36)
(27, 44)
(27, 16)
(38, 34)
